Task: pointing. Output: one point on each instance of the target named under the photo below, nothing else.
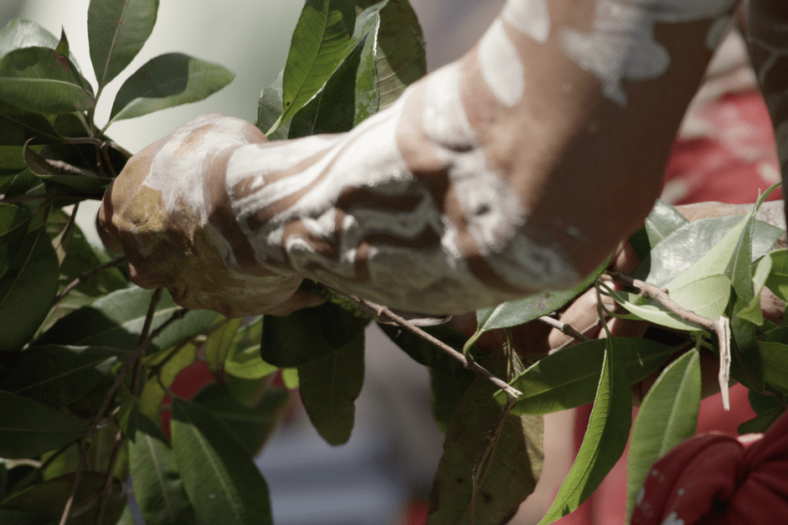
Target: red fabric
(714, 479)
(736, 160)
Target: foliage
(87, 359)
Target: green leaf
(307, 335)
(13, 230)
(401, 52)
(777, 281)
(774, 357)
(251, 425)
(425, 353)
(18, 517)
(85, 182)
(514, 313)
(605, 438)
(663, 220)
(158, 487)
(269, 109)
(50, 498)
(243, 359)
(218, 345)
(166, 81)
(222, 481)
(447, 393)
(81, 257)
(153, 394)
(707, 296)
(761, 403)
(511, 471)
(335, 108)
(752, 311)
(58, 375)
(667, 416)
(41, 80)
(320, 42)
(27, 290)
(117, 29)
(290, 378)
(18, 126)
(126, 517)
(29, 428)
(117, 319)
(329, 387)
(688, 244)
(570, 377)
(761, 422)
(20, 33)
(651, 310)
(351, 94)
(63, 45)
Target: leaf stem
(83, 457)
(563, 327)
(146, 336)
(87, 276)
(385, 313)
(720, 327)
(105, 493)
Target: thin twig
(662, 297)
(99, 143)
(720, 327)
(385, 313)
(86, 276)
(105, 156)
(105, 493)
(83, 457)
(566, 328)
(158, 367)
(145, 340)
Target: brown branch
(90, 274)
(385, 313)
(83, 457)
(146, 336)
(105, 493)
(566, 328)
(720, 327)
(662, 297)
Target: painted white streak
(501, 66)
(180, 177)
(445, 120)
(530, 17)
(622, 45)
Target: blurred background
(384, 474)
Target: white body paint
(530, 17)
(398, 275)
(500, 65)
(180, 176)
(622, 45)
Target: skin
(509, 184)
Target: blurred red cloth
(716, 479)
